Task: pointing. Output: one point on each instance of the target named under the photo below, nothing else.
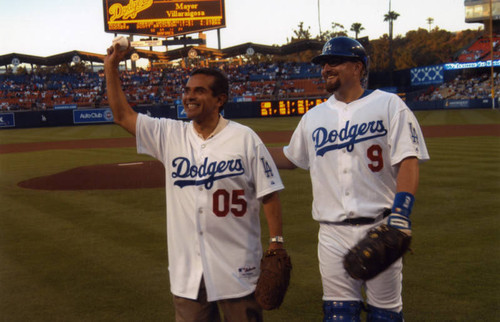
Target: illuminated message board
(479, 10)
(288, 107)
(165, 18)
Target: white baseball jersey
(213, 191)
(352, 151)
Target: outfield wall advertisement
(278, 108)
(7, 120)
(93, 116)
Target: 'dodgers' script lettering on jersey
(205, 174)
(347, 137)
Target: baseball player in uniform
(218, 173)
(362, 149)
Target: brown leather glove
(275, 268)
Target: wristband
(403, 203)
(276, 239)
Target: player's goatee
(331, 87)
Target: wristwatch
(276, 239)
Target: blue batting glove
(401, 209)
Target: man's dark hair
(220, 84)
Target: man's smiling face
(198, 99)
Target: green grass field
(101, 255)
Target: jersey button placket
(201, 158)
(345, 158)
(200, 198)
(200, 230)
(343, 121)
(200, 201)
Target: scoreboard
(163, 18)
(479, 10)
(288, 107)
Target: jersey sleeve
(406, 136)
(297, 150)
(149, 134)
(267, 177)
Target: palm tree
(302, 33)
(391, 16)
(334, 33)
(356, 27)
(430, 21)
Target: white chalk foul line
(129, 164)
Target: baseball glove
(275, 268)
(381, 247)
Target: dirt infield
(150, 174)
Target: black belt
(364, 220)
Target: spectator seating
(477, 87)
(481, 50)
(157, 86)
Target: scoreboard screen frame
(163, 18)
(479, 10)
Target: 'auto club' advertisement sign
(93, 116)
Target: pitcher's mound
(135, 175)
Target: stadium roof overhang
(72, 56)
(50, 60)
(292, 48)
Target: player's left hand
(275, 269)
(401, 209)
(400, 222)
(273, 246)
(374, 253)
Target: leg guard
(376, 314)
(341, 311)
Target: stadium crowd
(163, 86)
(34, 91)
(462, 88)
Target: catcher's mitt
(381, 247)
(275, 268)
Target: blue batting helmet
(342, 47)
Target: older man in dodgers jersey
(362, 149)
(217, 174)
